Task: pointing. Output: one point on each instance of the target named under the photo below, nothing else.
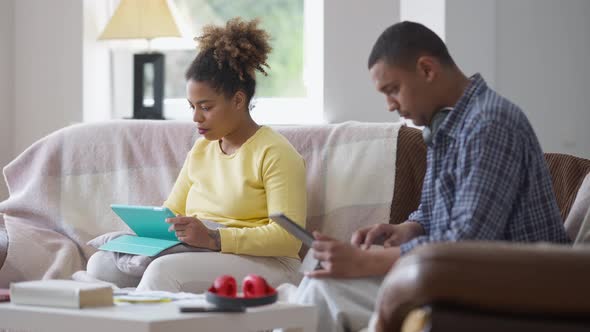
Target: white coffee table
(163, 317)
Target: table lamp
(144, 19)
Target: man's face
(407, 91)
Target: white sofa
(61, 187)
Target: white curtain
(98, 99)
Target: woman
(236, 174)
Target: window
(292, 92)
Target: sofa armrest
(497, 276)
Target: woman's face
(215, 115)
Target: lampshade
(143, 19)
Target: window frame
(266, 110)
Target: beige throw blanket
(62, 186)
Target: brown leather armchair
(495, 286)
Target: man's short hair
(403, 43)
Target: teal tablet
(146, 221)
(149, 223)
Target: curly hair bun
(240, 44)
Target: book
(61, 293)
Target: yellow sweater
(265, 175)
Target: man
(486, 176)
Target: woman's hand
(191, 231)
(389, 235)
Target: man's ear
(427, 67)
(239, 99)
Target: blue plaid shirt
(486, 176)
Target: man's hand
(191, 231)
(391, 235)
(343, 260)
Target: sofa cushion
(351, 173)
(567, 174)
(410, 168)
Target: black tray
(239, 302)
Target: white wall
(6, 91)
(543, 48)
(96, 99)
(350, 29)
(48, 67)
(431, 13)
(471, 39)
(533, 52)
